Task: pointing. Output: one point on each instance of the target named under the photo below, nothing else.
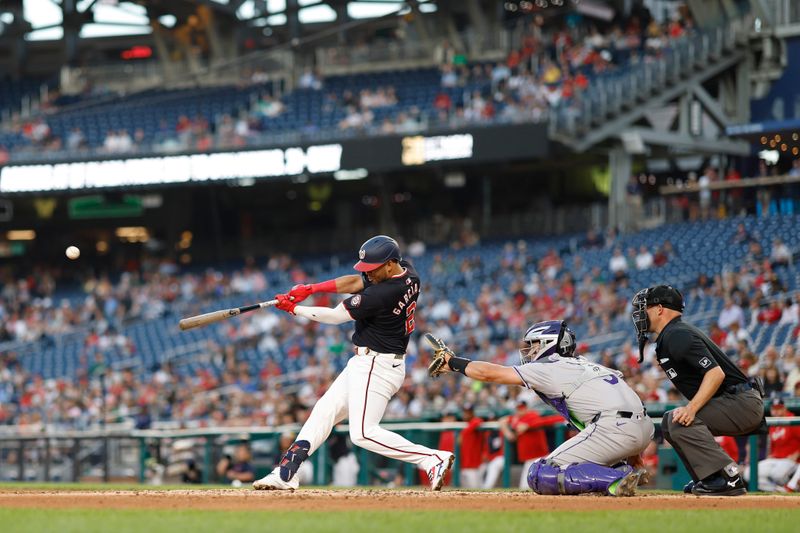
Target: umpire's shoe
(689, 486)
(720, 485)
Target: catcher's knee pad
(293, 458)
(548, 478)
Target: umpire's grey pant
(726, 414)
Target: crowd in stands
(239, 392)
(550, 66)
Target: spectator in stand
(772, 314)
(237, 469)
(717, 335)
(790, 313)
(644, 259)
(736, 335)
(473, 448)
(780, 254)
(742, 236)
(731, 312)
(773, 383)
(618, 264)
(76, 141)
(776, 471)
(792, 374)
(525, 428)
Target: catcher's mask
(664, 295)
(547, 338)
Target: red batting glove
(285, 303)
(300, 293)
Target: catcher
(612, 423)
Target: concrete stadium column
(72, 20)
(420, 24)
(293, 18)
(478, 19)
(162, 50)
(620, 166)
(216, 46)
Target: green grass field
(174, 521)
(456, 520)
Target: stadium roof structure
(53, 19)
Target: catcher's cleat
(273, 481)
(626, 486)
(438, 471)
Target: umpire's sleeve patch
(705, 362)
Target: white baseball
(73, 252)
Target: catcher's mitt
(438, 363)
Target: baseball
(73, 252)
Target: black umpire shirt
(685, 354)
(384, 312)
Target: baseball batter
(383, 306)
(594, 399)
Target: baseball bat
(215, 316)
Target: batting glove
(300, 293)
(285, 303)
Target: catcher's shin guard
(293, 458)
(548, 478)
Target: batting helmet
(376, 251)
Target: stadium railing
(320, 459)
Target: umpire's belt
(363, 350)
(739, 387)
(618, 414)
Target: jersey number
(412, 307)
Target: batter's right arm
(349, 284)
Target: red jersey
(784, 441)
(532, 444)
(473, 444)
(729, 446)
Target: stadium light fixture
(21, 235)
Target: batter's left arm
(325, 315)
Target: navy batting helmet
(376, 251)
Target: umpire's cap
(665, 295)
(376, 251)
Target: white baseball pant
(361, 393)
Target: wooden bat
(222, 314)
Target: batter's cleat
(438, 471)
(718, 485)
(625, 486)
(273, 481)
(688, 487)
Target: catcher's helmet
(376, 251)
(552, 337)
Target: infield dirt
(364, 499)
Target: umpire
(722, 401)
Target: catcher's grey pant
(727, 414)
(607, 441)
(361, 393)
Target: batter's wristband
(458, 364)
(325, 286)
